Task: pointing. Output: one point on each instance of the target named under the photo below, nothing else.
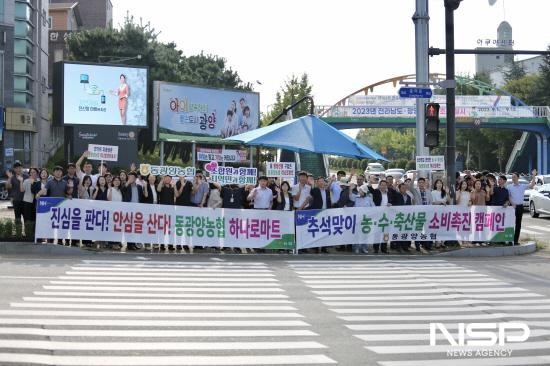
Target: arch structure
(529, 119)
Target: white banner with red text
(59, 218)
(373, 225)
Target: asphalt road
(122, 309)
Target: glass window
(23, 48)
(23, 11)
(22, 66)
(22, 99)
(1, 10)
(23, 29)
(22, 83)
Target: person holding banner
(167, 193)
(320, 196)
(284, 198)
(149, 191)
(261, 196)
(382, 198)
(517, 191)
(422, 197)
(199, 193)
(402, 199)
(183, 192)
(301, 192)
(101, 189)
(131, 191)
(86, 190)
(335, 189)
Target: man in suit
(381, 197)
(320, 198)
(422, 197)
(402, 199)
(131, 191)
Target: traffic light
(431, 127)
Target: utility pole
(450, 150)
(421, 30)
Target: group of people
(79, 181)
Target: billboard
(94, 94)
(184, 110)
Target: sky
(342, 45)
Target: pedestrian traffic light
(431, 127)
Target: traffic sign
(415, 93)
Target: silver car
(539, 201)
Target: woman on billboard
(123, 92)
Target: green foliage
(392, 143)
(525, 88)
(292, 90)
(543, 87)
(7, 233)
(515, 72)
(411, 165)
(165, 63)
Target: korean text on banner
(173, 171)
(436, 162)
(59, 218)
(103, 152)
(229, 175)
(287, 171)
(227, 156)
(359, 225)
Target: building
(24, 82)
(530, 65)
(93, 13)
(504, 41)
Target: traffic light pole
(420, 19)
(450, 149)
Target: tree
(525, 88)
(165, 63)
(515, 71)
(543, 86)
(292, 90)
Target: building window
(1, 10)
(22, 83)
(50, 22)
(22, 66)
(22, 99)
(23, 11)
(23, 47)
(23, 29)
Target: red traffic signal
(432, 110)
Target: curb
(13, 248)
(512, 250)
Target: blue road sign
(415, 92)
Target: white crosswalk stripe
(389, 305)
(103, 312)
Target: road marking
(172, 270)
(155, 301)
(167, 295)
(368, 280)
(529, 232)
(169, 262)
(155, 333)
(170, 289)
(404, 275)
(193, 274)
(189, 283)
(378, 272)
(464, 301)
(187, 279)
(411, 284)
(537, 227)
(165, 360)
(154, 323)
(434, 291)
(384, 337)
(441, 317)
(422, 326)
(458, 309)
(493, 361)
(137, 346)
(152, 307)
(152, 314)
(444, 347)
(428, 297)
(28, 277)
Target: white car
(539, 201)
(397, 174)
(374, 169)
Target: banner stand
(295, 251)
(194, 154)
(162, 153)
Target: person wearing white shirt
(363, 198)
(261, 196)
(335, 189)
(301, 192)
(517, 191)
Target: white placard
(436, 162)
(103, 152)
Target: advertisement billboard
(104, 95)
(184, 110)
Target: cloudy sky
(343, 45)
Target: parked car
(539, 201)
(4, 195)
(397, 174)
(374, 169)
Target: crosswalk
(535, 231)
(128, 312)
(389, 305)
